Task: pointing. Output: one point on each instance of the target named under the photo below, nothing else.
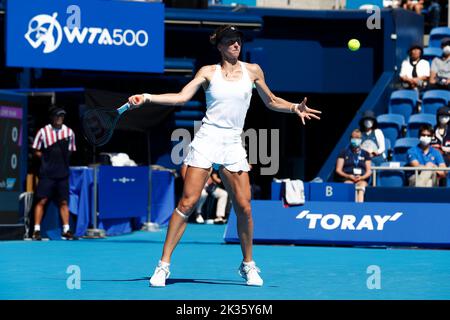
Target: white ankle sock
(66, 228)
(251, 263)
(163, 264)
(37, 227)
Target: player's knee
(245, 208)
(42, 202)
(187, 205)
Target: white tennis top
(219, 138)
(227, 102)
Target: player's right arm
(173, 99)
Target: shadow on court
(179, 280)
(205, 281)
(175, 281)
(161, 242)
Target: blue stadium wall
(303, 53)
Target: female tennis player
(228, 89)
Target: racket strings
(98, 125)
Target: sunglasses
(230, 41)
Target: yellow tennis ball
(354, 44)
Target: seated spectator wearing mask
(415, 71)
(372, 138)
(441, 140)
(353, 165)
(425, 155)
(440, 68)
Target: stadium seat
(187, 124)
(189, 115)
(391, 178)
(391, 124)
(403, 102)
(437, 34)
(179, 65)
(401, 148)
(430, 53)
(193, 105)
(433, 100)
(417, 120)
(189, 112)
(387, 147)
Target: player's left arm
(276, 103)
(72, 144)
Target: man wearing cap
(53, 145)
(440, 67)
(415, 71)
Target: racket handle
(123, 108)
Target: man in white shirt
(440, 68)
(415, 71)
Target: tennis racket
(99, 124)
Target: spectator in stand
(424, 155)
(433, 14)
(440, 68)
(372, 138)
(392, 4)
(213, 188)
(353, 165)
(415, 71)
(441, 139)
(413, 5)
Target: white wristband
(147, 97)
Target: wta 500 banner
(85, 34)
(324, 222)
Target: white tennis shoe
(160, 275)
(250, 272)
(199, 219)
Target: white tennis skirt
(213, 146)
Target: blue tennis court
(204, 267)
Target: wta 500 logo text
(45, 31)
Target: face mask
(355, 142)
(425, 141)
(368, 124)
(444, 119)
(446, 50)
